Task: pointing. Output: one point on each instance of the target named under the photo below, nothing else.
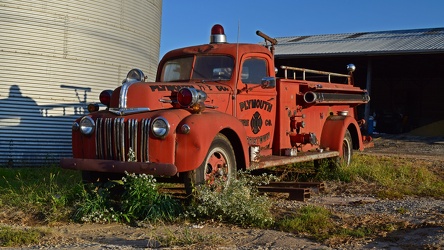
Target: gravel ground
(422, 218)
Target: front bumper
(112, 166)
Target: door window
(253, 70)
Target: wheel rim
(216, 166)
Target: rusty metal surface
(298, 194)
(158, 169)
(318, 185)
(299, 191)
(318, 72)
(274, 160)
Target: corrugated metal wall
(56, 56)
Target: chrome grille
(115, 136)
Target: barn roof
(429, 40)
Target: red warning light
(218, 34)
(217, 30)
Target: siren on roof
(218, 34)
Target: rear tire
(347, 149)
(344, 159)
(219, 164)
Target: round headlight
(87, 125)
(160, 127)
(135, 75)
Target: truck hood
(136, 97)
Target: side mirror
(268, 82)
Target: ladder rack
(318, 72)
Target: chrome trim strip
(108, 138)
(127, 111)
(121, 139)
(98, 138)
(119, 126)
(115, 138)
(144, 135)
(123, 94)
(132, 136)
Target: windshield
(211, 68)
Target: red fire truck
(214, 109)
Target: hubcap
(216, 167)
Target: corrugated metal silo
(56, 56)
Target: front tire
(219, 164)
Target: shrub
(140, 201)
(95, 205)
(238, 203)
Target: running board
(276, 160)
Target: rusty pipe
(271, 40)
(311, 97)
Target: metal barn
(402, 69)
(56, 57)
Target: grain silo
(56, 56)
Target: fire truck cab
(213, 109)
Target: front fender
(334, 130)
(192, 148)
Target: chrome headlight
(135, 75)
(87, 125)
(160, 127)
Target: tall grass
(46, 192)
(310, 219)
(397, 177)
(390, 177)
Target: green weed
(310, 219)
(398, 177)
(140, 201)
(238, 203)
(11, 237)
(47, 192)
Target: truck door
(256, 106)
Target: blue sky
(186, 23)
